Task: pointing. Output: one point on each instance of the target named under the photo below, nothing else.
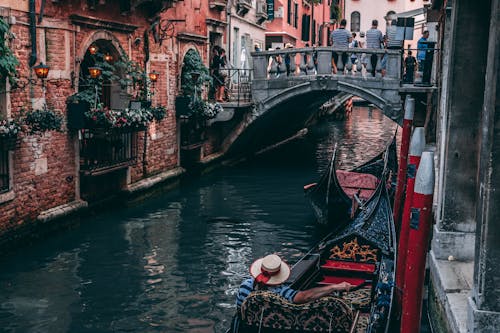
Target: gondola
(337, 197)
(363, 254)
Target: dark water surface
(173, 263)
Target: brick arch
(97, 35)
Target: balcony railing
(238, 86)
(243, 6)
(217, 4)
(103, 150)
(261, 11)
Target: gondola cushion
(272, 312)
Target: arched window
(355, 21)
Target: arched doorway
(105, 151)
(104, 55)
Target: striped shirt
(340, 37)
(246, 288)
(392, 42)
(374, 39)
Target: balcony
(261, 11)
(103, 150)
(217, 4)
(243, 6)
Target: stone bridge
(292, 95)
(271, 86)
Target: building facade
(49, 174)
(360, 13)
(302, 22)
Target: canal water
(174, 262)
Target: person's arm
(313, 294)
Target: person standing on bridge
(374, 40)
(341, 38)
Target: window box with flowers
(126, 120)
(9, 134)
(44, 120)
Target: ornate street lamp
(153, 76)
(93, 49)
(95, 72)
(41, 71)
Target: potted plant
(9, 131)
(44, 120)
(158, 112)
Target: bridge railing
(318, 61)
(238, 85)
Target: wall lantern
(153, 76)
(95, 72)
(93, 49)
(108, 57)
(41, 71)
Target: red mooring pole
(417, 146)
(418, 244)
(403, 158)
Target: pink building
(302, 22)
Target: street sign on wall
(270, 10)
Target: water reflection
(174, 263)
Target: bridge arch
(329, 90)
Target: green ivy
(39, 121)
(133, 75)
(8, 61)
(193, 64)
(335, 13)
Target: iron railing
(238, 86)
(103, 150)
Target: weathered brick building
(52, 174)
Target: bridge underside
(384, 93)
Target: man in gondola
(270, 272)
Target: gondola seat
(272, 313)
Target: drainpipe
(228, 24)
(32, 15)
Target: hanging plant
(201, 109)
(159, 112)
(40, 121)
(8, 61)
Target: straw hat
(270, 270)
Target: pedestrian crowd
(341, 38)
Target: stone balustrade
(318, 61)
